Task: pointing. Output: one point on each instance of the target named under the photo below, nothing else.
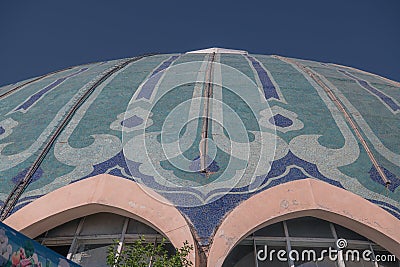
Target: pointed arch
(103, 193)
(308, 197)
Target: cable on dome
(23, 183)
(339, 105)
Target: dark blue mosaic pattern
(206, 218)
(111, 166)
(279, 166)
(212, 166)
(281, 121)
(36, 176)
(132, 121)
(387, 99)
(394, 181)
(148, 87)
(34, 98)
(268, 86)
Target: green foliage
(29, 248)
(142, 254)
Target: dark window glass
(310, 240)
(66, 229)
(275, 230)
(348, 234)
(309, 227)
(62, 250)
(103, 223)
(136, 227)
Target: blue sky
(40, 36)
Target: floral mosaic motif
(301, 153)
(8, 161)
(286, 169)
(17, 250)
(84, 158)
(280, 166)
(132, 120)
(282, 119)
(283, 170)
(370, 124)
(394, 181)
(6, 127)
(166, 164)
(115, 166)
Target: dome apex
(218, 50)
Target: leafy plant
(143, 254)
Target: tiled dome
(324, 121)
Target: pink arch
(102, 193)
(300, 198)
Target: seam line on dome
(315, 76)
(19, 188)
(208, 91)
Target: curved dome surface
(243, 123)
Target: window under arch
(86, 240)
(298, 240)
